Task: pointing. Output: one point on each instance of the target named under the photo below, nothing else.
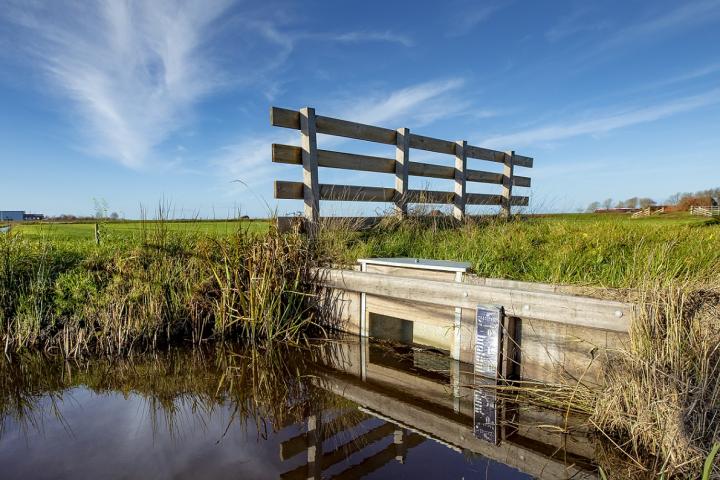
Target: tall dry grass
(661, 402)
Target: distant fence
(648, 211)
(310, 157)
(712, 211)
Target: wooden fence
(648, 211)
(311, 191)
(709, 211)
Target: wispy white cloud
(248, 160)
(603, 123)
(369, 36)
(686, 15)
(684, 77)
(133, 69)
(474, 15)
(287, 38)
(575, 23)
(415, 105)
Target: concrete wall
(549, 351)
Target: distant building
(12, 215)
(19, 216)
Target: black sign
(486, 413)
(487, 340)
(487, 356)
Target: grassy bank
(78, 298)
(661, 398)
(597, 250)
(171, 281)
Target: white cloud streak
(133, 69)
(249, 159)
(418, 104)
(687, 15)
(387, 36)
(575, 23)
(603, 124)
(473, 16)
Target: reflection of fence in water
(397, 399)
(311, 443)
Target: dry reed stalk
(662, 395)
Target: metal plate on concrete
(418, 263)
(487, 340)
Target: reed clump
(76, 299)
(662, 395)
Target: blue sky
(141, 102)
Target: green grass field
(667, 219)
(608, 250)
(129, 230)
(582, 249)
(126, 230)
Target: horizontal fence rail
(280, 117)
(366, 163)
(311, 158)
(294, 191)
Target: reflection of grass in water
(31, 389)
(272, 388)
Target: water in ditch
(343, 408)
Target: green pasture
(85, 231)
(127, 230)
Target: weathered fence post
(311, 188)
(314, 446)
(402, 161)
(460, 183)
(399, 439)
(97, 234)
(507, 184)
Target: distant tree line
(67, 217)
(679, 201)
